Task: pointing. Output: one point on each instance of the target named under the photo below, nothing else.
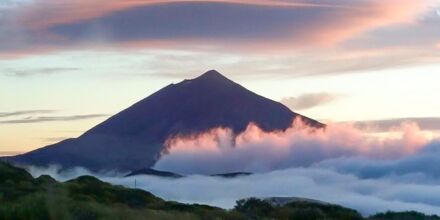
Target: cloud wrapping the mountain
(254, 150)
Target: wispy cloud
(427, 123)
(307, 101)
(52, 119)
(41, 71)
(26, 112)
(302, 64)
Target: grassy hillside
(27, 198)
(23, 197)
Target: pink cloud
(327, 25)
(345, 24)
(254, 150)
(55, 12)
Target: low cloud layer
(307, 101)
(341, 165)
(420, 167)
(368, 196)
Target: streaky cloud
(309, 100)
(41, 71)
(426, 123)
(26, 112)
(52, 119)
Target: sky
(66, 65)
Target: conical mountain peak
(213, 75)
(136, 137)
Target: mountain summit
(213, 75)
(135, 137)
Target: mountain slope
(133, 138)
(211, 100)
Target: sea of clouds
(398, 170)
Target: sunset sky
(66, 65)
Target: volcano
(134, 138)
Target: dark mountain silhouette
(232, 175)
(133, 139)
(153, 172)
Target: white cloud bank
(218, 151)
(340, 165)
(368, 196)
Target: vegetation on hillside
(23, 197)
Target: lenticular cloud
(219, 151)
